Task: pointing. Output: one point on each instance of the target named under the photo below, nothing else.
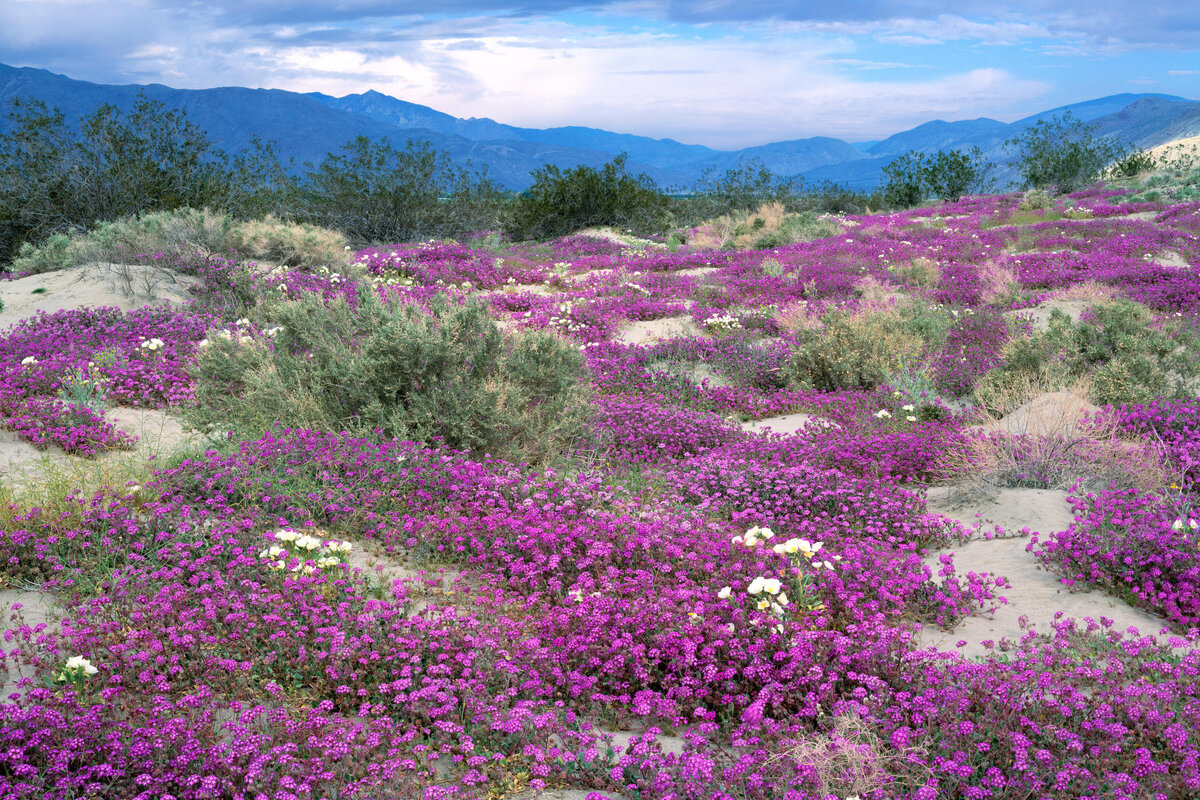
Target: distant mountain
(307, 127)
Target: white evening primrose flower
(81, 663)
(286, 535)
(1193, 524)
(274, 551)
(203, 343)
(771, 586)
(1177, 525)
(725, 592)
(882, 413)
(243, 323)
(790, 546)
(325, 562)
(911, 418)
(764, 533)
(756, 585)
(307, 542)
(341, 547)
(909, 407)
(782, 599)
(763, 604)
(27, 360)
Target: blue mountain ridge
(307, 127)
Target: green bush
(1127, 357)
(563, 201)
(853, 352)
(915, 177)
(374, 193)
(445, 374)
(1062, 152)
(57, 180)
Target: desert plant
(1062, 152)
(853, 352)
(186, 232)
(562, 201)
(445, 374)
(914, 177)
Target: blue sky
(724, 73)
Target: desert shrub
(55, 179)
(1117, 344)
(769, 226)
(1132, 164)
(946, 175)
(1035, 200)
(445, 374)
(853, 352)
(373, 192)
(185, 231)
(562, 201)
(1062, 152)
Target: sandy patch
(1049, 414)
(127, 287)
(1039, 315)
(1035, 594)
(787, 424)
(1189, 146)
(37, 608)
(657, 330)
(697, 272)
(614, 235)
(158, 432)
(1170, 258)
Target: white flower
(1177, 525)
(1193, 524)
(340, 547)
(153, 344)
(764, 604)
(203, 343)
(272, 552)
(755, 586)
(79, 662)
(28, 360)
(325, 562)
(882, 413)
(911, 418)
(909, 407)
(286, 535)
(724, 593)
(307, 542)
(782, 599)
(243, 323)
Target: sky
(722, 73)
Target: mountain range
(306, 127)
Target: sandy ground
(657, 330)
(1189, 146)
(1039, 315)
(37, 608)
(1049, 414)
(1036, 594)
(158, 433)
(126, 287)
(786, 423)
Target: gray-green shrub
(443, 374)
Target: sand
(125, 286)
(1039, 315)
(787, 424)
(657, 330)
(1035, 594)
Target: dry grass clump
(997, 282)
(289, 243)
(797, 317)
(1052, 440)
(874, 296)
(769, 226)
(921, 272)
(853, 760)
(1088, 292)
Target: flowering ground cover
(752, 598)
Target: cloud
(1183, 72)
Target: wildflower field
(594, 569)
